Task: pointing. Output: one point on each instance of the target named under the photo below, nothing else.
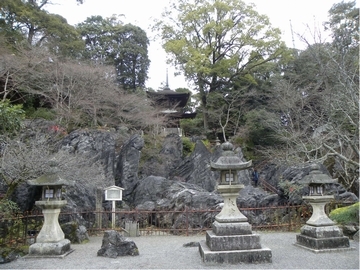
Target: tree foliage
(125, 47)
(11, 117)
(216, 43)
(28, 19)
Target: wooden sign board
(113, 193)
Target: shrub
(346, 215)
(42, 113)
(188, 146)
(10, 116)
(8, 208)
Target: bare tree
(317, 112)
(80, 94)
(25, 158)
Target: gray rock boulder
(356, 236)
(75, 233)
(159, 193)
(293, 174)
(156, 192)
(350, 230)
(114, 245)
(195, 169)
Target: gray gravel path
(168, 252)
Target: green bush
(11, 116)
(346, 215)
(8, 208)
(42, 113)
(192, 127)
(188, 146)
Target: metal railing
(268, 187)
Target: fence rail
(23, 228)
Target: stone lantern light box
(228, 165)
(51, 186)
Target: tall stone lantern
(320, 233)
(231, 239)
(51, 239)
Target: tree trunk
(203, 98)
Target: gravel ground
(168, 252)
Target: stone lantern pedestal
(231, 239)
(50, 241)
(320, 233)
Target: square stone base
(232, 242)
(58, 249)
(323, 244)
(262, 255)
(321, 232)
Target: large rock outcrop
(292, 175)
(97, 144)
(166, 160)
(127, 165)
(175, 183)
(195, 169)
(155, 192)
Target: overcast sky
(142, 12)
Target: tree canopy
(217, 43)
(28, 20)
(125, 47)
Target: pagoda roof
(169, 95)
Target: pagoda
(172, 104)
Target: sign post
(113, 193)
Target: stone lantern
(320, 233)
(51, 239)
(231, 239)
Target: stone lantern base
(322, 239)
(53, 250)
(233, 243)
(231, 239)
(320, 234)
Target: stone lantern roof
(228, 160)
(49, 180)
(317, 177)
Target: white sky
(142, 12)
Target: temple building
(172, 104)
